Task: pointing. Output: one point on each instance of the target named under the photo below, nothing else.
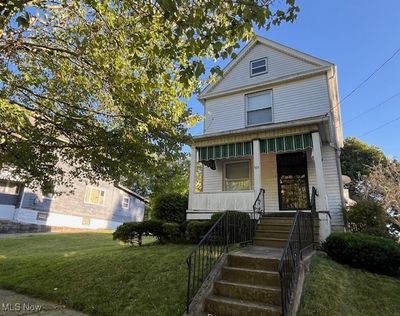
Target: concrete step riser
(247, 293)
(226, 309)
(272, 234)
(276, 221)
(270, 243)
(273, 227)
(253, 263)
(251, 277)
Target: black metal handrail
(230, 228)
(259, 204)
(300, 239)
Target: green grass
(92, 273)
(334, 289)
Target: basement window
(258, 67)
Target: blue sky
(358, 36)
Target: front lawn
(334, 289)
(92, 273)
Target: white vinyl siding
(291, 101)
(212, 179)
(259, 108)
(332, 186)
(279, 64)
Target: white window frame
(259, 73)
(122, 202)
(224, 174)
(95, 188)
(268, 107)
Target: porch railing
(300, 239)
(231, 228)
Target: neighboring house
(272, 122)
(102, 206)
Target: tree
(101, 86)
(172, 177)
(357, 160)
(383, 185)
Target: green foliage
(367, 215)
(357, 158)
(372, 253)
(134, 231)
(170, 207)
(197, 229)
(172, 232)
(104, 83)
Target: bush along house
(270, 147)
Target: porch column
(323, 210)
(256, 166)
(192, 176)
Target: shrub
(197, 229)
(359, 250)
(134, 231)
(366, 216)
(170, 207)
(172, 232)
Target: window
(86, 221)
(237, 176)
(40, 216)
(94, 196)
(125, 202)
(258, 67)
(9, 187)
(293, 181)
(259, 108)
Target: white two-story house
(271, 122)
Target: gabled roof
(269, 43)
(129, 191)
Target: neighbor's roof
(129, 191)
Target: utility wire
(372, 108)
(380, 126)
(366, 79)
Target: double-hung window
(125, 202)
(94, 195)
(259, 108)
(237, 176)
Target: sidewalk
(13, 304)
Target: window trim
(122, 202)
(97, 188)
(227, 162)
(18, 185)
(270, 107)
(260, 73)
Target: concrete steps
(223, 306)
(249, 284)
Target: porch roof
(295, 127)
(241, 149)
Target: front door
(293, 181)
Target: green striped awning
(286, 143)
(225, 151)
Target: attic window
(258, 67)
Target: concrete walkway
(13, 304)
